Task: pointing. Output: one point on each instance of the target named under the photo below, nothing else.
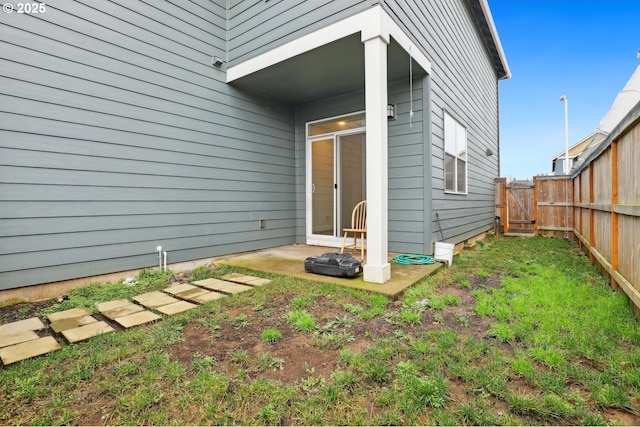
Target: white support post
(377, 268)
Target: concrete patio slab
(176, 307)
(245, 280)
(136, 319)
(85, 332)
(31, 324)
(122, 311)
(208, 296)
(68, 314)
(74, 322)
(289, 260)
(17, 337)
(158, 299)
(27, 350)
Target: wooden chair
(358, 228)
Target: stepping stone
(179, 289)
(257, 281)
(68, 314)
(246, 280)
(111, 305)
(17, 337)
(213, 284)
(207, 296)
(236, 289)
(27, 350)
(176, 307)
(223, 286)
(74, 322)
(85, 332)
(32, 324)
(191, 294)
(155, 299)
(136, 319)
(122, 311)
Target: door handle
(313, 188)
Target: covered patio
(289, 260)
(364, 51)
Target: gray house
(210, 127)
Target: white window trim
(444, 158)
(347, 115)
(317, 239)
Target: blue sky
(584, 49)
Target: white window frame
(318, 239)
(456, 145)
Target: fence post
(614, 214)
(578, 211)
(535, 206)
(592, 231)
(505, 208)
(499, 184)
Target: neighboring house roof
(577, 148)
(626, 104)
(482, 15)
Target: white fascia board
(360, 22)
(496, 38)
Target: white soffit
(372, 21)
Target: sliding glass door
(336, 171)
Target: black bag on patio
(332, 264)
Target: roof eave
(484, 19)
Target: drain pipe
(159, 249)
(165, 261)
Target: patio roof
(330, 70)
(329, 61)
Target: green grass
(545, 341)
(202, 272)
(301, 320)
(271, 335)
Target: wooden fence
(599, 205)
(607, 210)
(542, 207)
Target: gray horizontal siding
(117, 135)
(407, 167)
(256, 27)
(464, 83)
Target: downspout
(498, 122)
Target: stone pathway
(21, 340)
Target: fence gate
(520, 207)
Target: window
(455, 156)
